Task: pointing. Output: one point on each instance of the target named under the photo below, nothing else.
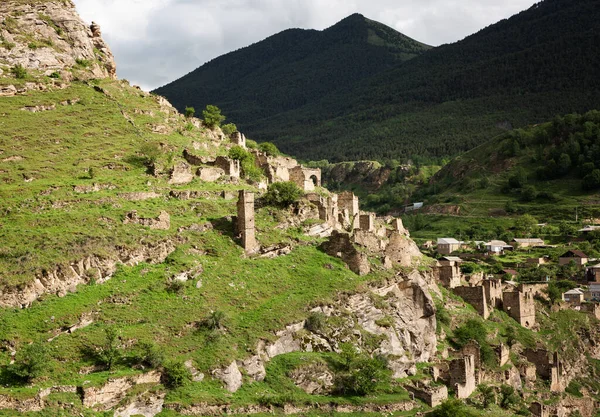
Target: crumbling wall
(305, 178)
(245, 221)
(462, 376)
(476, 297)
(520, 306)
(340, 245)
(448, 273)
(349, 210)
(493, 292)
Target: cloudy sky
(158, 41)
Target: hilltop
(444, 101)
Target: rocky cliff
(51, 39)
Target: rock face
(111, 393)
(231, 377)
(51, 37)
(64, 279)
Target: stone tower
(245, 221)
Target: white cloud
(157, 41)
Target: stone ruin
(448, 272)
(349, 210)
(549, 367)
(520, 306)
(245, 222)
(462, 376)
(476, 297)
(430, 395)
(305, 178)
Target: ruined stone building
(520, 306)
(448, 270)
(349, 210)
(493, 292)
(462, 376)
(476, 297)
(305, 178)
(245, 221)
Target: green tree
(32, 361)
(564, 163)
(282, 194)
(247, 162)
(19, 71)
(526, 224)
(488, 395)
(150, 152)
(176, 374)
(212, 116)
(592, 180)
(269, 148)
(229, 129)
(518, 179)
(110, 352)
(190, 112)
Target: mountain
(523, 70)
(293, 69)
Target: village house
(537, 261)
(497, 247)
(446, 246)
(576, 256)
(574, 296)
(449, 271)
(512, 274)
(592, 273)
(594, 292)
(528, 243)
(589, 229)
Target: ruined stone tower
(245, 221)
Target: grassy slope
(45, 222)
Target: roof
(575, 291)
(452, 258)
(448, 241)
(594, 267)
(589, 229)
(531, 240)
(497, 243)
(575, 253)
(510, 271)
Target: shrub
(269, 148)
(247, 163)
(282, 194)
(452, 408)
(83, 63)
(251, 144)
(32, 361)
(19, 71)
(212, 116)
(151, 152)
(214, 320)
(592, 180)
(360, 374)
(190, 112)
(110, 352)
(150, 354)
(229, 129)
(488, 395)
(175, 287)
(508, 397)
(315, 322)
(528, 193)
(176, 374)
(518, 179)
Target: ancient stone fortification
(245, 221)
(476, 297)
(520, 306)
(62, 41)
(462, 376)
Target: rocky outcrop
(66, 278)
(146, 405)
(110, 394)
(230, 376)
(313, 378)
(50, 37)
(162, 222)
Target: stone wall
(520, 306)
(245, 221)
(305, 178)
(462, 376)
(493, 292)
(449, 273)
(476, 297)
(349, 210)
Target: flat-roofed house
(446, 246)
(529, 243)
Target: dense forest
(349, 94)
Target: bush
(212, 116)
(528, 193)
(592, 180)
(360, 374)
(452, 408)
(247, 163)
(508, 397)
(214, 320)
(150, 354)
(176, 374)
(315, 322)
(151, 152)
(282, 194)
(32, 361)
(518, 179)
(19, 71)
(269, 148)
(110, 352)
(189, 112)
(229, 129)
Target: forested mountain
(293, 68)
(526, 69)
